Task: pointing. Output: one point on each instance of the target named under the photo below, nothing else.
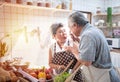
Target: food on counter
(4, 73)
(45, 73)
(48, 76)
(6, 76)
(13, 76)
(41, 75)
(23, 80)
(27, 75)
(31, 74)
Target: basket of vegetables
(64, 75)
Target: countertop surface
(115, 57)
(115, 50)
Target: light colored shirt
(58, 49)
(94, 47)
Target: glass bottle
(19, 1)
(70, 6)
(63, 4)
(9, 1)
(29, 2)
(47, 3)
(98, 10)
(40, 3)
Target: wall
(90, 5)
(14, 19)
(87, 5)
(112, 3)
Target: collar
(85, 28)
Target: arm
(79, 62)
(53, 65)
(76, 53)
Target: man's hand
(74, 49)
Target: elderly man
(93, 51)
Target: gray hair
(78, 18)
(54, 27)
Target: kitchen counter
(115, 50)
(115, 57)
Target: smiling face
(61, 35)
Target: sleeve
(87, 48)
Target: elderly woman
(59, 58)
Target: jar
(40, 3)
(19, 1)
(70, 6)
(98, 10)
(29, 2)
(9, 1)
(47, 3)
(63, 5)
(118, 23)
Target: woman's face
(61, 35)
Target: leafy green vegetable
(62, 77)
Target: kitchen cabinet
(113, 31)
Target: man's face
(74, 29)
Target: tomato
(48, 76)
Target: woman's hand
(60, 67)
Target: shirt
(58, 49)
(94, 48)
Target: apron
(64, 58)
(93, 74)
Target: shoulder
(52, 44)
(91, 32)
